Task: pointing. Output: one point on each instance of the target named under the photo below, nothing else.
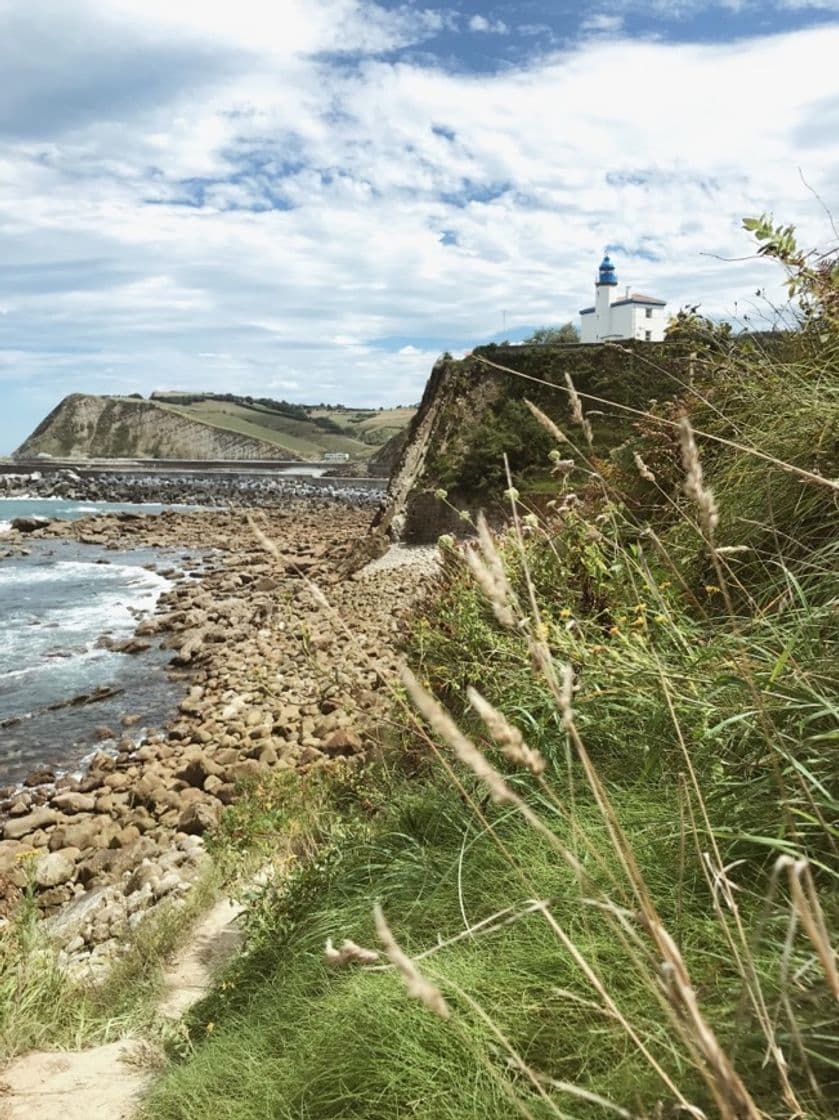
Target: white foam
(5, 526)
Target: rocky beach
(280, 656)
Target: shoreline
(270, 684)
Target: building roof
(637, 297)
(587, 311)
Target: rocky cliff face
(472, 414)
(84, 426)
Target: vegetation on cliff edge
(610, 873)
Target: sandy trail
(107, 1082)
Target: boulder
(197, 769)
(29, 524)
(72, 803)
(199, 817)
(343, 744)
(56, 868)
(22, 826)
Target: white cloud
(488, 26)
(278, 222)
(601, 22)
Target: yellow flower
(664, 584)
(639, 621)
(661, 618)
(640, 606)
(565, 612)
(712, 589)
(210, 1028)
(614, 630)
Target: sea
(55, 605)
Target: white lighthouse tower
(633, 316)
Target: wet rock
(40, 777)
(29, 524)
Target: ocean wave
(5, 526)
(65, 570)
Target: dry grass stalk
(441, 722)
(695, 487)
(577, 410)
(546, 422)
(508, 738)
(806, 902)
(643, 469)
(732, 1096)
(489, 573)
(417, 985)
(348, 952)
(566, 695)
(264, 540)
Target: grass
(41, 1007)
(642, 929)
(298, 436)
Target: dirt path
(107, 1082)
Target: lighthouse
(632, 316)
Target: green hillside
(306, 432)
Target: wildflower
(614, 630)
(418, 986)
(565, 612)
(661, 618)
(445, 541)
(530, 520)
(639, 621)
(712, 589)
(640, 606)
(210, 1028)
(665, 583)
(441, 493)
(598, 649)
(512, 495)
(465, 515)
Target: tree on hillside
(551, 336)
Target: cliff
(472, 414)
(209, 426)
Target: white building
(632, 316)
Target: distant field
(371, 426)
(363, 430)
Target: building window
(648, 335)
(648, 312)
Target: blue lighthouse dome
(607, 274)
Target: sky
(312, 199)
